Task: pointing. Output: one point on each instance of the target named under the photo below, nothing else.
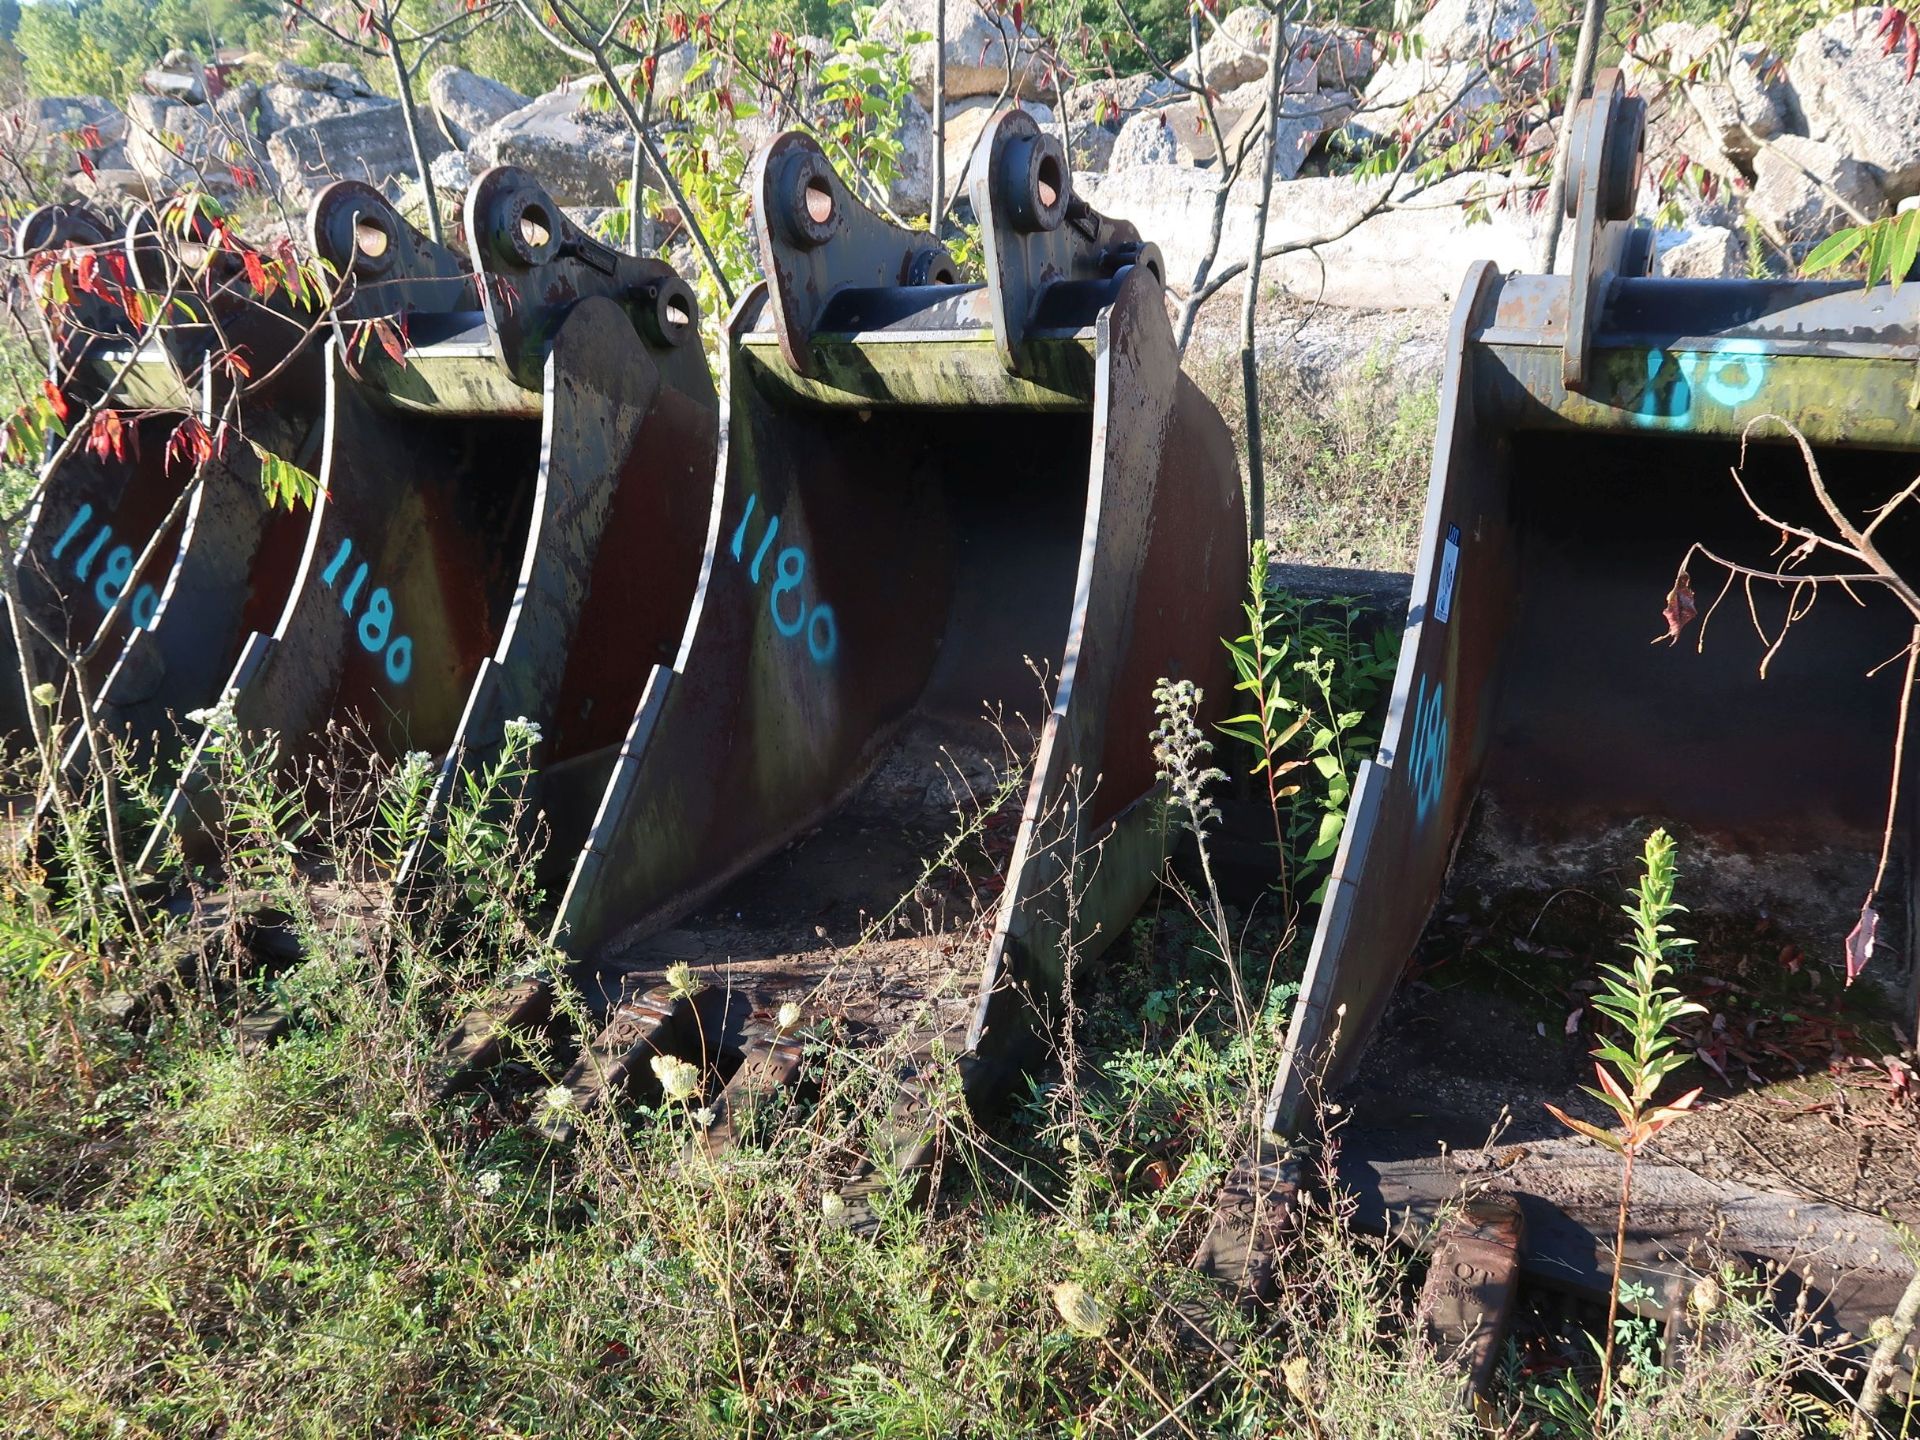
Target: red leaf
(1611, 1085)
(257, 274)
(235, 362)
(1680, 610)
(86, 165)
(106, 436)
(392, 340)
(1860, 939)
(190, 442)
(55, 400)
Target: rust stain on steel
(1473, 1279)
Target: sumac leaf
(1680, 608)
(1860, 940)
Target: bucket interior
(879, 582)
(1596, 727)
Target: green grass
(1346, 459)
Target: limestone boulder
(1708, 252)
(1854, 94)
(980, 52)
(1426, 250)
(581, 154)
(1235, 54)
(1457, 41)
(56, 130)
(1798, 186)
(176, 147)
(465, 103)
(1147, 141)
(284, 105)
(1112, 102)
(369, 145)
(1708, 100)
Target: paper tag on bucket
(1449, 567)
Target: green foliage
(1883, 250)
(1637, 999)
(100, 47)
(1315, 672)
(284, 482)
(865, 86)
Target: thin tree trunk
(937, 202)
(410, 117)
(1880, 1369)
(1250, 302)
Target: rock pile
(1783, 147)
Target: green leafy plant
(1314, 684)
(1632, 1067)
(1884, 249)
(865, 87)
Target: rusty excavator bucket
(957, 533)
(503, 528)
(239, 551)
(114, 517)
(1587, 431)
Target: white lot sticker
(1449, 568)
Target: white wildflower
(558, 1097)
(520, 733)
(488, 1183)
(787, 1017)
(679, 1080)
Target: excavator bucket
(239, 550)
(936, 502)
(500, 485)
(1587, 432)
(113, 518)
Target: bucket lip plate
(1771, 317)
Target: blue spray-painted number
(115, 570)
(376, 621)
(1427, 750)
(1730, 377)
(792, 615)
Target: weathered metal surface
(898, 521)
(402, 591)
(78, 553)
(94, 520)
(816, 240)
(1555, 522)
(611, 562)
(641, 1027)
(1410, 801)
(473, 561)
(239, 553)
(1601, 190)
(476, 1044)
(1473, 1278)
(1042, 235)
(1256, 1211)
(534, 265)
